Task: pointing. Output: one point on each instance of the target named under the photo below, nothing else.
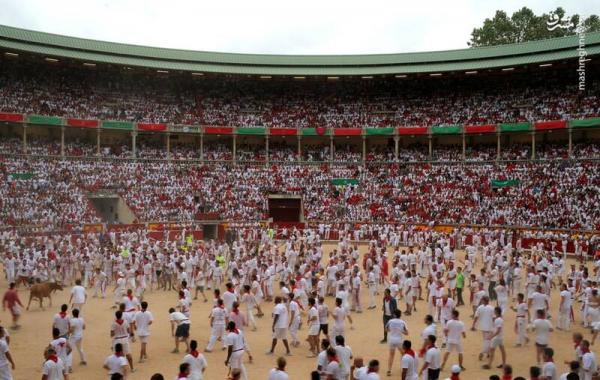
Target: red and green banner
(446, 129)
(81, 123)
(218, 130)
(316, 131)
(45, 120)
(552, 124)
(515, 127)
(347, 131)
(480, 128)
(154, 127)
(283, 131)
(11, 117)
(389, 131)
(412, 130)
(111, 124)
(585, 123)
(251, 131)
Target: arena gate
(285, 208)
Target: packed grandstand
(496, 146)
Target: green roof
(58, 46)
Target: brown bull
(41, 291)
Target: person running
(54, 368)
(279, 327)
(497, 339)
(120, 332)
(455, 333)
(76, 327)
(13, 303)
(142, 321)
(235, 344)
(396, 328)
(197, 362)
(116, 362)
(218, 321)
(78, 296)
(409, 362)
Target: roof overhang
(535, 52)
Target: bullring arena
(127, 167)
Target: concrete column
(364, 149)
(267, 148)
(168, 146)
(24, 138)
(533, 145)
(202, 147)
(134, 144)
(299, 148)
(62, 141)
(464, 147)
(498, 146)
(396, 147)
(331, 147)
(430, 147)
(98, 132)
(234, 147)
(570, 143)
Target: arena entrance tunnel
(285, 208)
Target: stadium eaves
(14, 41)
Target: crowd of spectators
(39, 88)
(552, 194)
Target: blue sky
(273, 26)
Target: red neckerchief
(371, 370)
(507, 377)
(53, 357)
(444, 302)
(235, 310)
(454, 376)
(120, 321)
(130, 297)
(585, 350)
(410, 352)
(182, 376)
(62, 314)
(235, 330)
(118, 354)
(387, 298)
(194, 353)
(334, 359)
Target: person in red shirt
(11, 299)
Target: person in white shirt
(344, 355)
(78, 296)
(218, 321)
(279, 373)
(588, 361)
(76, 326)
(564, 309)
(497, 339)
(116, 363)
(549, 368)
(61, 347)
(61, 321)
(339, 319)
(120, 332)
(184, 371)
(484, 314)
(53, 368)
(454, 332)
(432, 360)
(542, 328)
(180, 329)
(295, 319)
(5, 358)
(229, 297)
(235, 349)
(521, 320)
(142, 321)
(395, 327)
(313, 327)
(197, 362)
(409, 362)
(279, 327)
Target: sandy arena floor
(28, 343)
